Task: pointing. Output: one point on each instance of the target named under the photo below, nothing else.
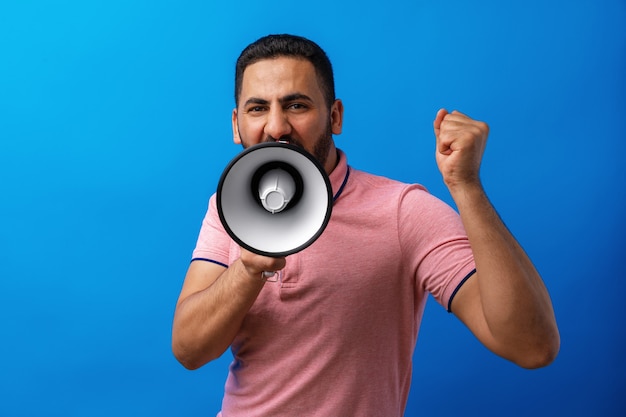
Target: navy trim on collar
(343, 184)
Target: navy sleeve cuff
(210, 260)
(458, 287)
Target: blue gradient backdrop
(115, 127)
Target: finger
(279, 263)
(444, 140)
(258, 263)
(444, 143)
(271, 264)
(457, 116)
(463, 125)
(438, 119)
(458, 122)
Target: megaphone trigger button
(272, 276)
(266, 275)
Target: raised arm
(213, 303)
(505, 304)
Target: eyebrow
(295, 96)
(286, 99)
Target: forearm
(514, 301)
(206, 322)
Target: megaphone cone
(274, 199)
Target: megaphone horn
(274, 199)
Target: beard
(321, 148)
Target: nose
(277, 124)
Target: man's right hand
(256, 264)
(213, 304)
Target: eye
(297, 106)
(255, 109)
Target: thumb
(438, 119)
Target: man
(335, 336)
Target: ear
(336, 117)
(236, 137)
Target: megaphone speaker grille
(249, 221)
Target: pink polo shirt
(336, 337)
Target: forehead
(280, 76)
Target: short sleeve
(434, 244)
(213, 242)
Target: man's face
(281, 100)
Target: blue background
(115, 127)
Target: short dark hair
(275, 46)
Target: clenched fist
(461, 143)
(257, 265)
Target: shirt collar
(339, 175)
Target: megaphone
(274, 199)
